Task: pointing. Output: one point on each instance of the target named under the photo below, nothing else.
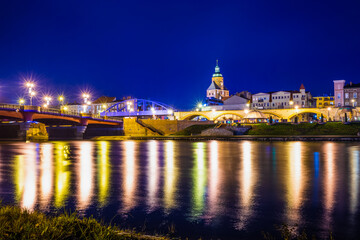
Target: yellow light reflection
(104, 169)
(330, 182)
(62, 173)
(153, 174)
(295, 182)
(199, 179)
(25, 177)
(214, 183)
(354, 179)
(46, 177)
(85, 175)
(129, 172)
(247, 184)
(170, 176)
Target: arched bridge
(138, 107)
(51, 116)
(281, 114)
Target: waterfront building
(282, 99)
(346, 95)
(217, 89)
(324, 101)
(95, 107)
(234, 102)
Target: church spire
(217, 70)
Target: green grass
(16, 223)
(193, 130)
(330, 128)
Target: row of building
(219, 98)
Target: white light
(246, 111)
(153, 109)
(170, 111)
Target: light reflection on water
(205, 188)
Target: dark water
(214, 189)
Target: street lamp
(291, 103)
(21, 101)
(32, 94)
(61, 100)
(353, 102)
(30, 86)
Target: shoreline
(236, 138)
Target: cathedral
(217, 89)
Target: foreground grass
(193, 130)
(16, 223)
(329, 128)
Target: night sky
(166, 50)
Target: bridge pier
(27, 116)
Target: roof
(213, 86)
(302, 86)
(104, 99)
(352, 85)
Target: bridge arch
(227, 113)
(300, 111)
(194, 115)
(137, 107)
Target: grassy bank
(16, 223)
(330, 128)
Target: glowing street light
(86, 97)
(30, 86)
(291, 102)
(246, 111)
(47, 100)
(21, 101)
(61, 100)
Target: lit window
(355, 95)
(346, 95)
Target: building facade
(95, 107)
(346, 94)
(217, 89)
(324, 101)
(282, 99)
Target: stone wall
(132, 128)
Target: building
(234, 102)
(346, 95)
(95, 107)
(217, 89)
(324, 101)
(282, 99)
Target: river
(210, 189)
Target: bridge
(50, 116)
(138, 107)
(37, 123)
(283, 115)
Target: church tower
(217, 88)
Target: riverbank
(16, 223)
(234, 138)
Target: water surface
(212, 189)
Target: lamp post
(328, 113)
(30, 86)
(153, 112)
(21, 101)
(291, 103)
(61, 100)
(353, 102)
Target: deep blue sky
(166, 50)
